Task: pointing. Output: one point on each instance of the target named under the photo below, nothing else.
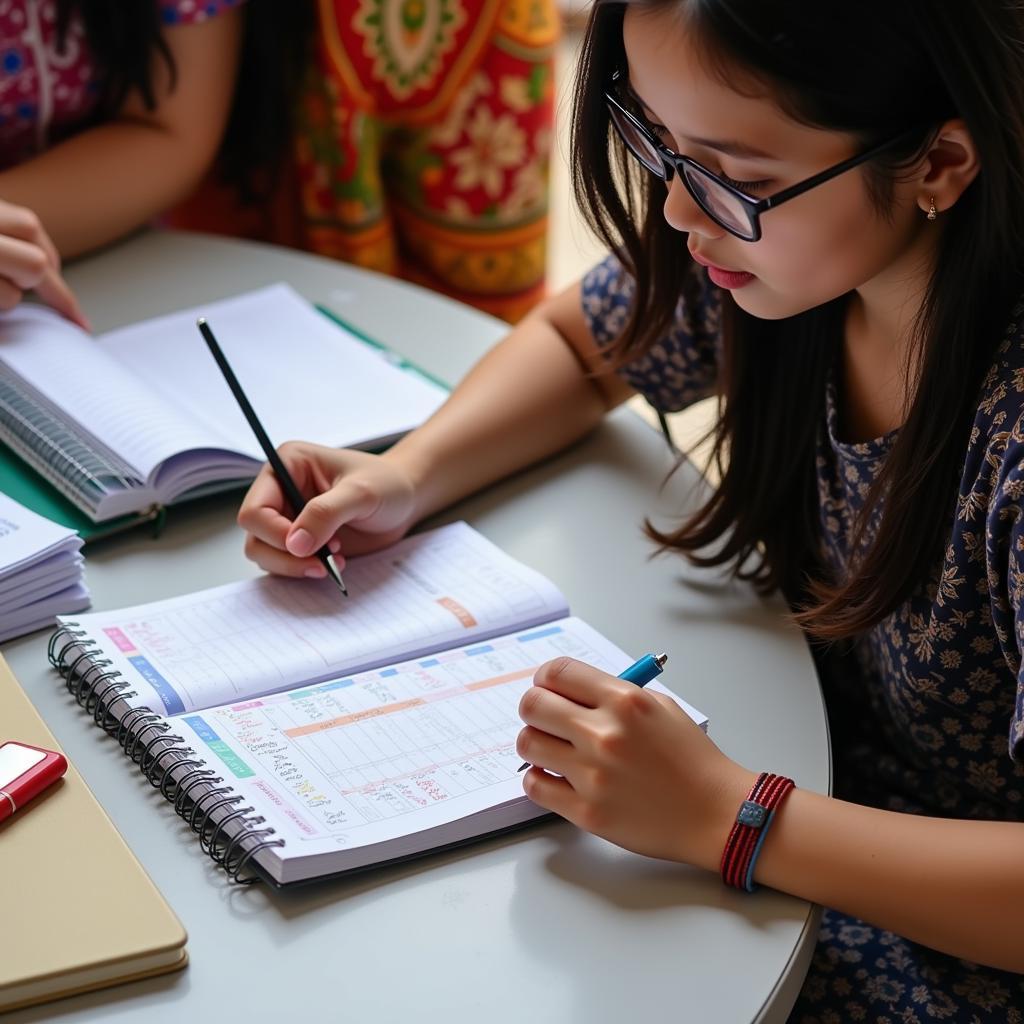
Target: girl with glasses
(815, 212)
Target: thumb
(325, 514)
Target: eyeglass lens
(718, 202)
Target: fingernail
(300, 542)
(334, 546)
(316, 572)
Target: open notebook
(141, 416)
(305, 734)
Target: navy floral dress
(927, 710)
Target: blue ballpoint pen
(640, 672)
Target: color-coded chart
(379, 746)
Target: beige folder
(78, 910)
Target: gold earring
(932, 212)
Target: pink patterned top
(45, 94)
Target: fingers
(54, 291)
(554, 793)
(549, 712)
(543, 750)
(21, 222)
(33, 264)
(262, 512)
(577, 681)
(319, 521)
(280, 545)
(22, 263)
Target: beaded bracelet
(753, 820)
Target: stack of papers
(40, 571)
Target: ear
(949, 166)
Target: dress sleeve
(682, 367)
(191, 12)
(1005, 553)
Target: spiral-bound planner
(140, 417)
(301, 735)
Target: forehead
(687, 87)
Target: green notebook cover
(18, 480)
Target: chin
(766, 305)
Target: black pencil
(292, 493)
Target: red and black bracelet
(750, 827)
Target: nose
(683, 213)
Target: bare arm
(110, 179)
(530, 396)
(957, 886)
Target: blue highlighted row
(334, 684)
(540, 634)
(428, 662)
(167, 694)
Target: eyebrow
(730, 147)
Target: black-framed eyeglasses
(726, 205)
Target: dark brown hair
(124, 39)
(872, 69)
(127, 42)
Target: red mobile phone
(25, 771)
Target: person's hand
(630, 765)
(29, 262)
(355, 503)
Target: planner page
(394, 761)
(431, 591)
(306, 376)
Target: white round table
(546, 924)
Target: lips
(721, 276)
(704, 262)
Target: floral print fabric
(927, 710)
(424, 141)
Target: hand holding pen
(284, 478)
(641, 672)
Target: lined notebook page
(305, 376)
(429, 592)
(97, 389)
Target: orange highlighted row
(404, 705)
(462, 614)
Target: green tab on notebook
(22, 483)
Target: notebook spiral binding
(195, 791)
(43, 438)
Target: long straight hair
(125, 39)
(873, 69)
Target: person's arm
(529, 397)
(633, 768)
(110, 179)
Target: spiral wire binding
(55, 447)
(183, 777)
